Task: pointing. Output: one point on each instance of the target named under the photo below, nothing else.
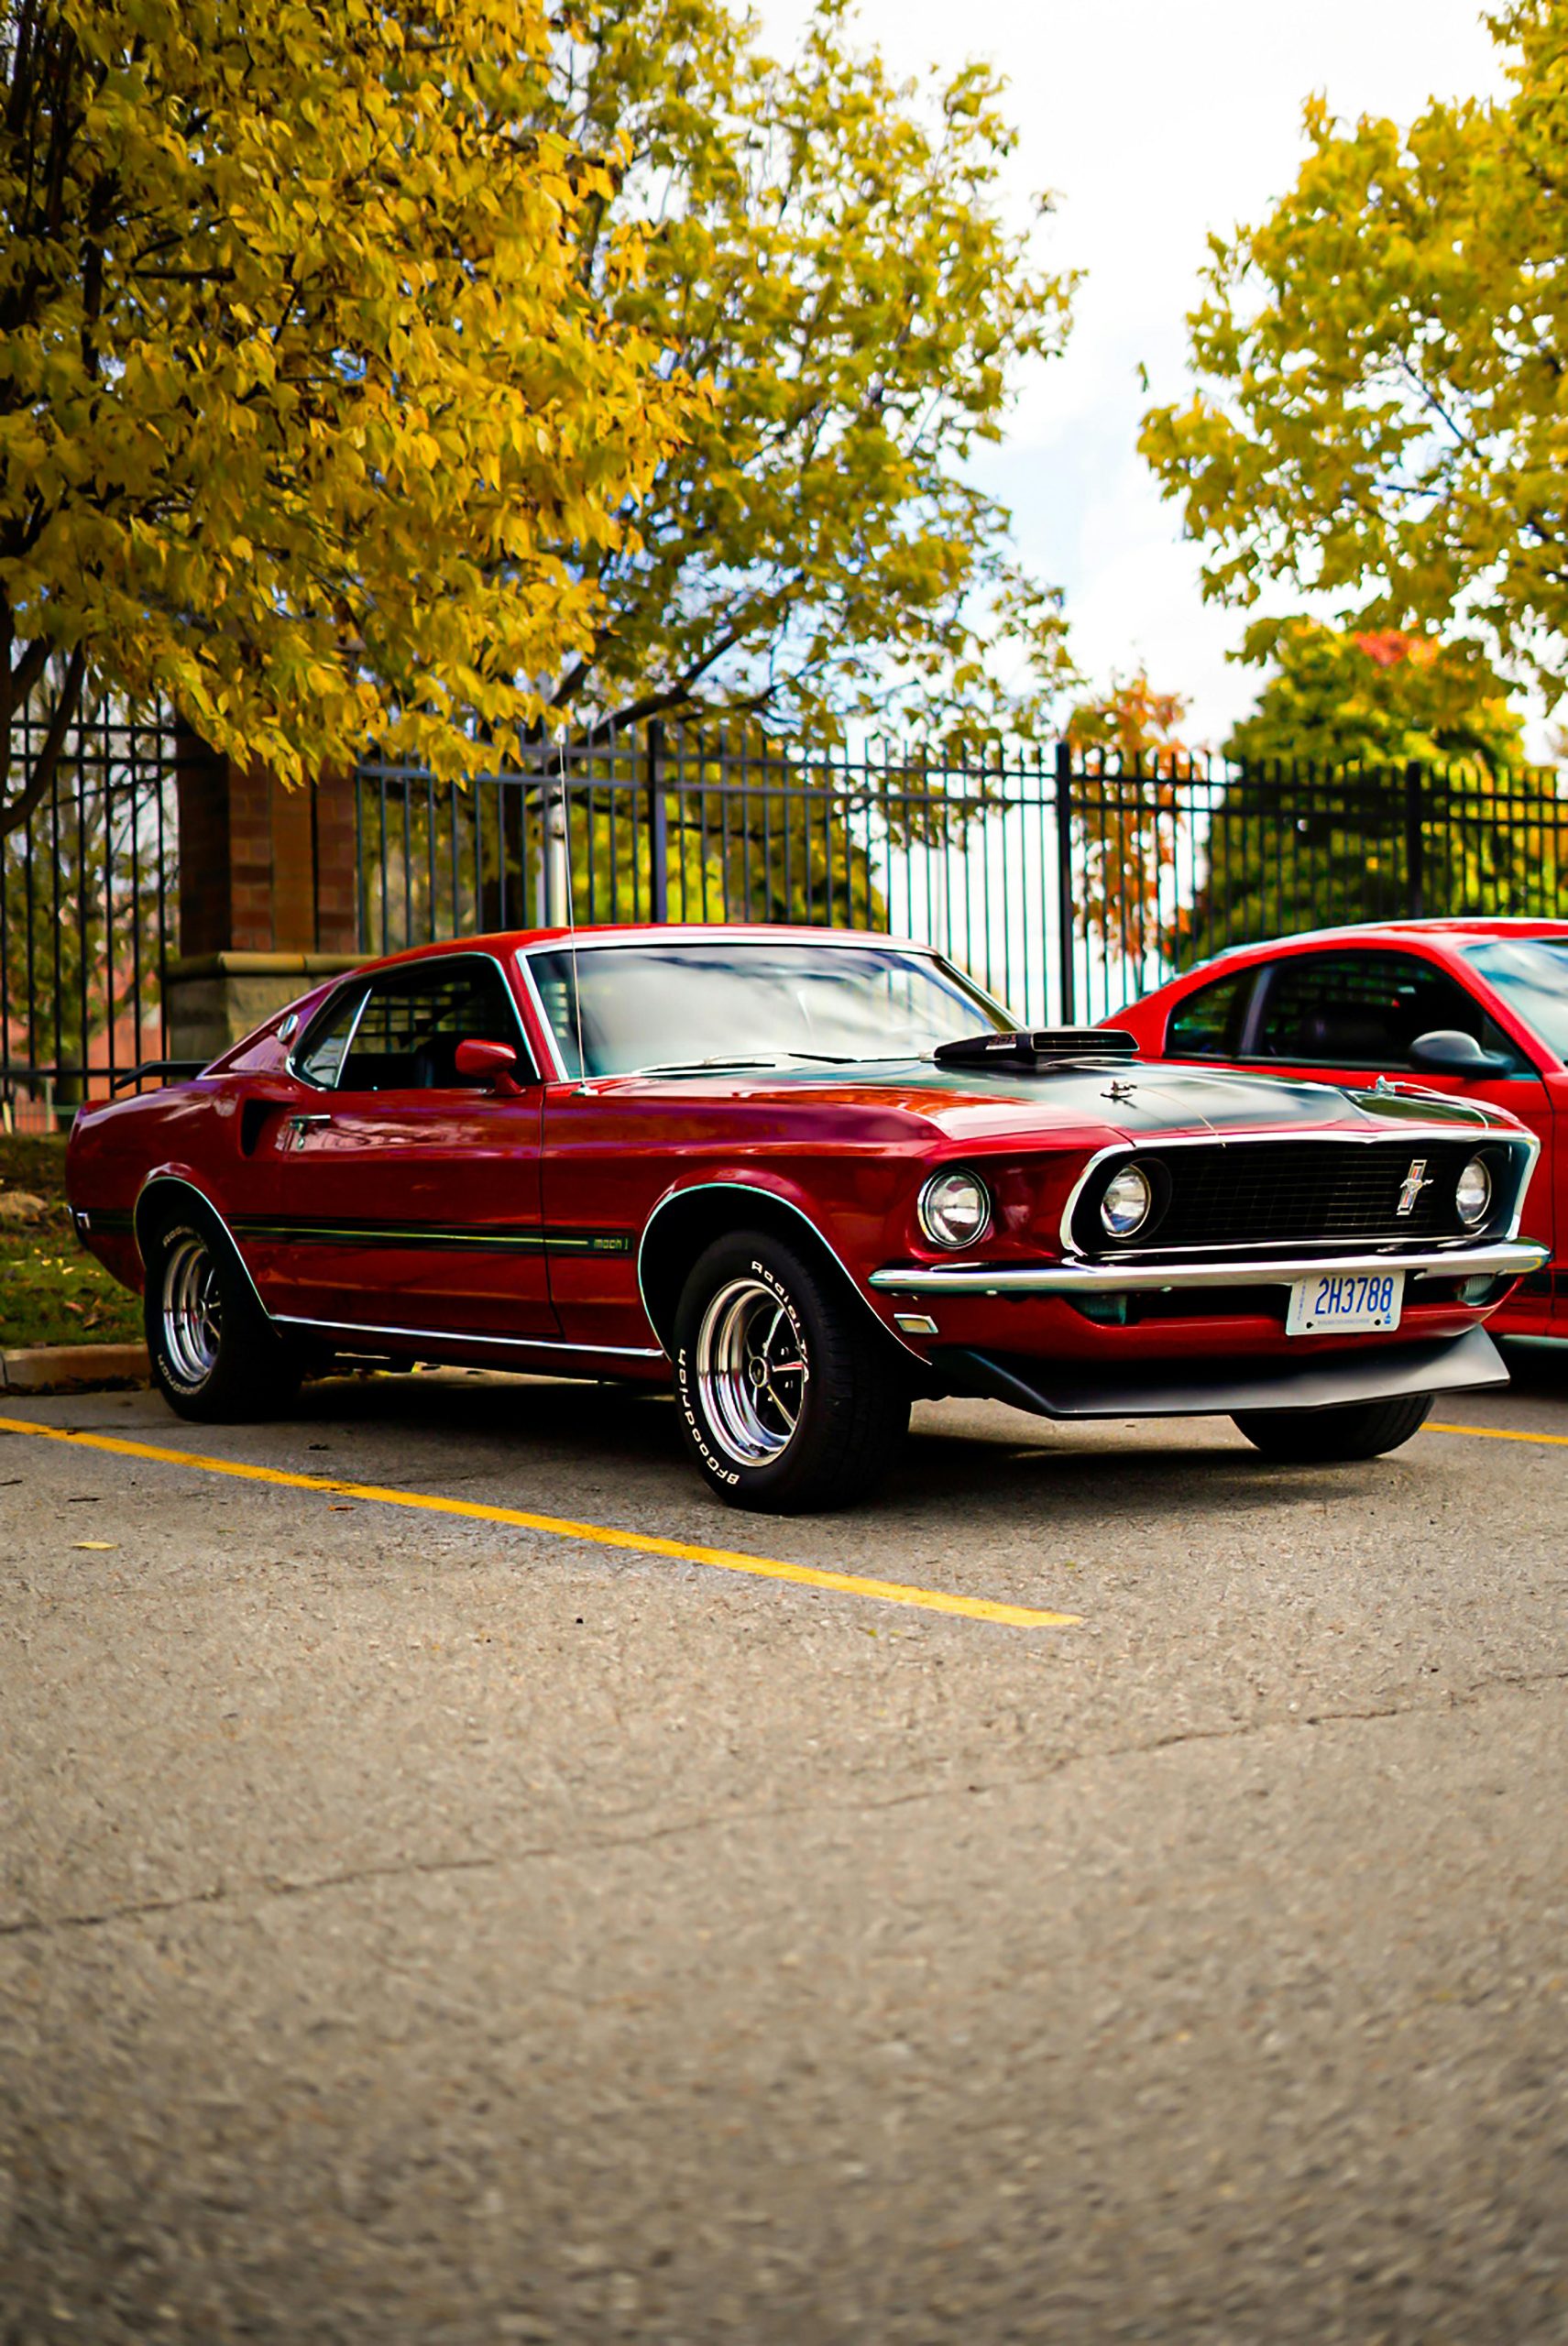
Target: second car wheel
(1335, 1437)
(214, 1354)
(790, 1398)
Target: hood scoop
(1040, 1051)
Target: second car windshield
(667, 1007)
(1531, 975)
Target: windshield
(672, 1007)
(1531, 975)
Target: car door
(398, 1195)
(1348, 1014)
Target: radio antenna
(571, 905)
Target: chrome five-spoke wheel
(789, 1396)
(214, 1354)
(751, 1371)
(191, 1309)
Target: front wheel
(789, 1397)
(1331, 1437)
(214, 1354)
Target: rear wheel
(1326, 1437)
(214, 1354)
(789, 1399)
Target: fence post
(1415, 904)
(1064, 883)
(658, 826)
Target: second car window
(1365, 1009)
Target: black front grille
(1247, 1193)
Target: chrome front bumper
(1505, 1258)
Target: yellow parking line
(724, 1560)
(1503, 1434)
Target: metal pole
(1065, 939)
(658, 826)
(1414, 891)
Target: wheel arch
(687, 1222)
(163, 1191)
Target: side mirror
(494, 1062)
(1447, 1051)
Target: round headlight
(1473, 1194)
(955, 1208)
(1125, 1206)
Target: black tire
(827, 1433)
(1328, 1437)
(215, 1356)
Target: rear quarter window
(1206, 1024)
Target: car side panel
(408, 1209)
(610, 1160)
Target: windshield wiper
(818, 1059)
(701, 1067)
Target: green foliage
(1317, 828)
(309, 422)
(1347, 697)
(52, 1290)
(1381, 365)
(830, 261)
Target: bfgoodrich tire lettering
(787, 1398)
(215, 1355)
(1330, 1437)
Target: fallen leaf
(104, 1544)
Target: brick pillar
(268, 895)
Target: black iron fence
(89, 895)
(1067, 883)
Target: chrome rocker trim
(452, 1336)
(1509, 1258)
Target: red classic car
(806, 1176)
(1476, 1010)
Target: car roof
(1359, 932)
(511, 941)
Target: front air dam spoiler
(1185, 1389)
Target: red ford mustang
(1476, 1010)
(806, 1176)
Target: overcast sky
(1155, 122)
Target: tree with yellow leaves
(310, 422)
(1380, 412)
(832, 255)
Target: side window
(413, 1020)
(1208, 1024)
(320, 1053)
(1366, 1010)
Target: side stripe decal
(442, 1236)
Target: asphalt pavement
(424, 1925)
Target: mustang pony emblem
(1417, 1180)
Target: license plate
(1345, 1302)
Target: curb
(72, 1368)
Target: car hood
(1120, 1100)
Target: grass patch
(52, 1290)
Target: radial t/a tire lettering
(789, 1400)
(215, 1355)
(1333, 1437)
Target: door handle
(299, 1125)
